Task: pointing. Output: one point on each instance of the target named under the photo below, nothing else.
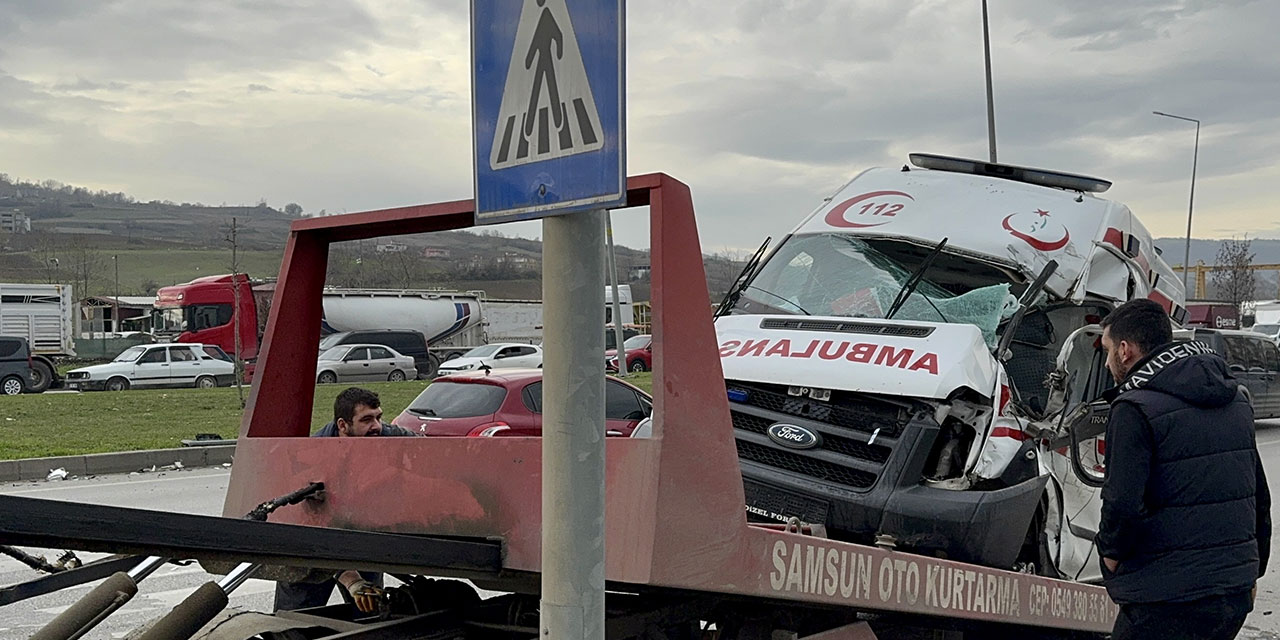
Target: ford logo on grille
(790, 435)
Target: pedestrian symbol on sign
(547, 110)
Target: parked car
(409, 343)
(611, 336)
(363, 362)
(508, 402)
(1270, 330)
(1254, 360)
(495, 356)
(157, 365)
(639, 350)
(15, 366)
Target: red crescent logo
(1039, 245)
(835, 217)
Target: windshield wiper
(1028, 298)
(770, 293)
(909, 287)
(422, 412)
(741, 282)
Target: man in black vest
(1186, 522)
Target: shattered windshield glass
(832, 274)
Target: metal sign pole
(618, 351)
(573, 428)
(548, 109)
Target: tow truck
(682, 560)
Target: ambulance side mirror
(1088, 443)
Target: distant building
(435, 252)
(98, 313)
(390, 246)
(517, 259)
(14, 221)
(639, 272)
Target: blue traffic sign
(548, 108)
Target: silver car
(363, 363)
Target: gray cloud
(762, 106)
(154, 40)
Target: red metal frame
(674, 502)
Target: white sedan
(157, 365)
(364, 362)
(495, 356)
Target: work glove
(367, 596)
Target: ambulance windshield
(831, 274)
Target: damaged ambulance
(917, 364)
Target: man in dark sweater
(1186, 522)
(357, 413)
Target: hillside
(74, 234)
(102, 242)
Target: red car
(639, 354)
(508, 402)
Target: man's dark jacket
(331, 431)
(1185, 507)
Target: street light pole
(991, 102)
(1195, 158)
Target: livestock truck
(44, 314)
(917, 363)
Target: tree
(86, 265)
(293, 210)
(1233, 279)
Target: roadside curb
(119, 462)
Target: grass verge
(63, 424)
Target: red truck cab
(202, 311)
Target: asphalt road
(195, 491)
(201, 491)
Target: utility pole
(619, 352)
(115, 313)
(991, 103)
(236, 312)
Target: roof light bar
(1055, 179)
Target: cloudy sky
(762, 106)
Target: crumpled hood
(1189, 371)
(911, 359)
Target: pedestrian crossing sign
(548, 107)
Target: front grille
(769, 504)
(831, 442)
(859, 431)
(809, 467)
(77, 375)
(845, 409)
(838, 326)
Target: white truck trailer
(43, 314)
